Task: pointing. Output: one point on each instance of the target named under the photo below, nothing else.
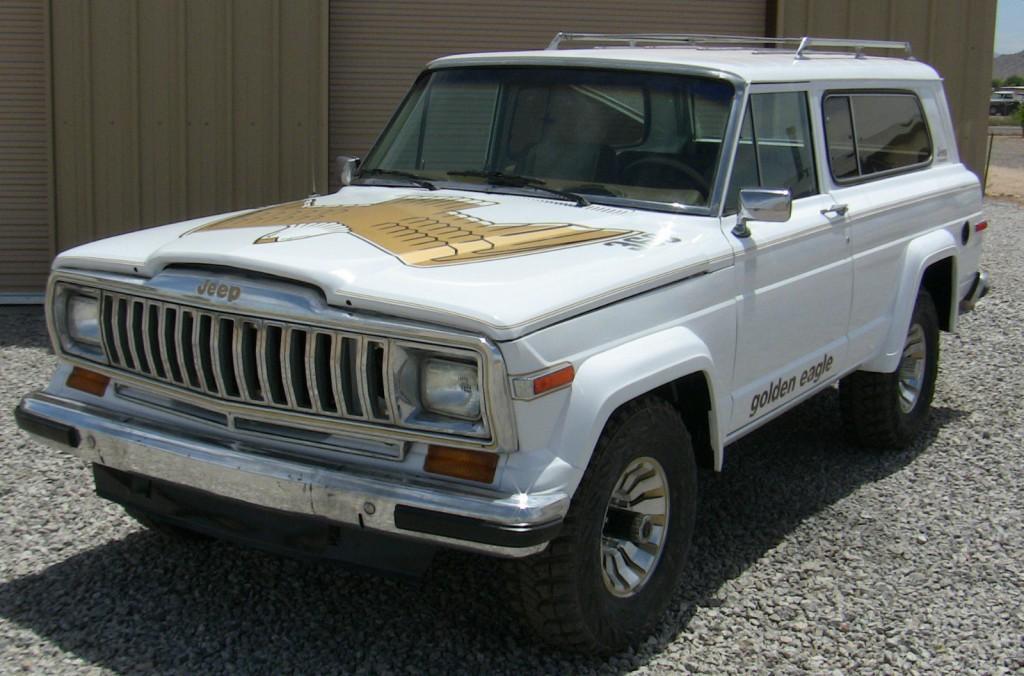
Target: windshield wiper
(500, 178)
(413, 178)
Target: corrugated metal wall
(25, 192)
(954, 36)
(168, 109)
(378, 48)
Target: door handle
(836, 210)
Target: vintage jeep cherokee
(560, 282)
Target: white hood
(498, 264)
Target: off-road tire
(870, 404)
(560, 591)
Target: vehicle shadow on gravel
(149, 603)
(23, 326)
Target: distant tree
(997, 83)
(1014, 81)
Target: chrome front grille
(275, 364)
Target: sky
(1010, 26)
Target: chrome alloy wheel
(635, 525)
(912, 368)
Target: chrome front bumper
(457, 517)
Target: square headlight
(83, 319)
(450, 388)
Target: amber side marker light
(554, 380)
(88, 381)
(461, 463)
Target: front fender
(609, 379)
(920, 253)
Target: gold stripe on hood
(420, 231)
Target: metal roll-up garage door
(377, 48)
(26, 233)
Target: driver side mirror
(347, 167)
(762, 204)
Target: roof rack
(803, 45)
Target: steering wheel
(689, 176)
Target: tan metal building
(123, 114)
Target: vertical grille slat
(351, 366)
(136, 337)
(121, 332)
(294, 356)
(151, 339)
(169, 329)
(224, 356)
(374, 382)
(260, 362)
(186, 347)
(273, 365)
(249, 384)
(201, 340)
(109, 332)
(319, 351)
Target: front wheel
(612, 571)
(887, 410)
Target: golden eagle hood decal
(419, 231)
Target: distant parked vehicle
(1003, 103)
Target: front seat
(572, 144)
(583, 162)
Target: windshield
(604, 134)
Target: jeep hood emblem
(229, 292)
(419, 231)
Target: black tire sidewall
(615, 620)
(924, 315)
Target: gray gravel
(809, 554)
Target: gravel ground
(809, 554)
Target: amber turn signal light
(87, 381)
(554, 380)
(461, 463)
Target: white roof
(749, 65)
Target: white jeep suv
(560, 282)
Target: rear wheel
(887, 410)
(612, 571)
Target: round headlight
(83, 320)
(450, 388)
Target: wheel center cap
(641, 528)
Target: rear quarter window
(874, 134)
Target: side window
(775, 148)
(874, 133)
(842, 153)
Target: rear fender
(921, 253)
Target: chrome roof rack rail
(635, 39)
(857, 45)
(802, 45)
